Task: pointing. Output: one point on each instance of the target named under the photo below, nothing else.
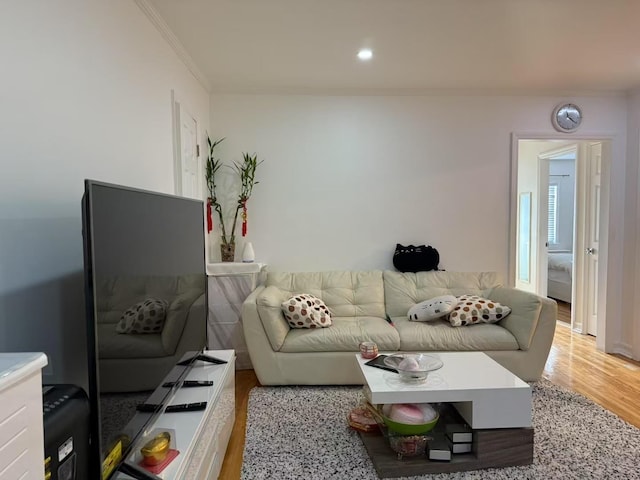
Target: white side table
(21, 426)
(229, 284)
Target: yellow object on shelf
(155, 450)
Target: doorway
(557, 232)
(562, 249)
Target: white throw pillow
(472, 309)
(306, 311)
(432, 309)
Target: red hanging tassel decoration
(244, 218)
(209, 218)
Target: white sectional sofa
(361, 304)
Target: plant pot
(227, 252)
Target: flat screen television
(145, 291)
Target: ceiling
(310, 46)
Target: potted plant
(246, 172)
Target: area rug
(301, 433)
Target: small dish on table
(413, 367)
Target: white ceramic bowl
(413, 367)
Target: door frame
(179, 109)
(605, 205)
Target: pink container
(368, 350)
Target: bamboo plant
(246, 172)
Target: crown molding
(156, 19)
(414, 92)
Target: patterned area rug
(116, 409)
(301, 433)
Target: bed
(559, 277)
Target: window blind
(552, 215)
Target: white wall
(632, 327)
(85, 92)
(345, 178)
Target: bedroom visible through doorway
(563, 178)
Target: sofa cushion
(433, 308)
(144, 317)
(346, 294)
(345, 335)
(404, 290)
(115, 345)
(306, 311)
(473, 309)
(439, 335)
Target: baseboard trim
(623, 348)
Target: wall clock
(566, 117)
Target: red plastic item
(155, 469)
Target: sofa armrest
(186, 315)
(269, 307)
(531, 315)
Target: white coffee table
(493, 401)
(486, 394)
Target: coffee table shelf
(493, 448)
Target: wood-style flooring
(564, 311)
(609, 380)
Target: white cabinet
(21, 427)
(201, 437)
(228, 285)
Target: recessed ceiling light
(365, 54)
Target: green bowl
(410, 429)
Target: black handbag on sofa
(416, 258)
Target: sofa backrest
(346, 293)
(403, 290)
(116, 294)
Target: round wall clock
(566, 117)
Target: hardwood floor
(609, 380)
(564, 311)
(232, 465)
(612, 381)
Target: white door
(587, 240)
(594, 158)
(188, 168)
(543, 227)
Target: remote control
(197, 383)
(186, 407)
(190, 383)
(148, 407)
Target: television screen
(146, 305)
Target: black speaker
(66, 432)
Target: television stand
(200, 436)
